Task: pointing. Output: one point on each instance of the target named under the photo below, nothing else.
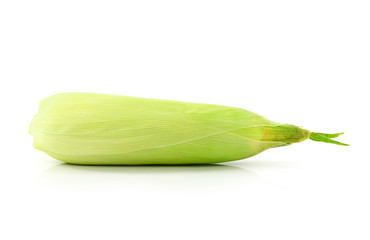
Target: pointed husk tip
(325, 137)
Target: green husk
(102, 129)
(324, 137)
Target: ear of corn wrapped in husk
(102, 129)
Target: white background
(299, 62)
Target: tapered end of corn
(324, 137)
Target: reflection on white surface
(145, 178)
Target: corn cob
(102, 129)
